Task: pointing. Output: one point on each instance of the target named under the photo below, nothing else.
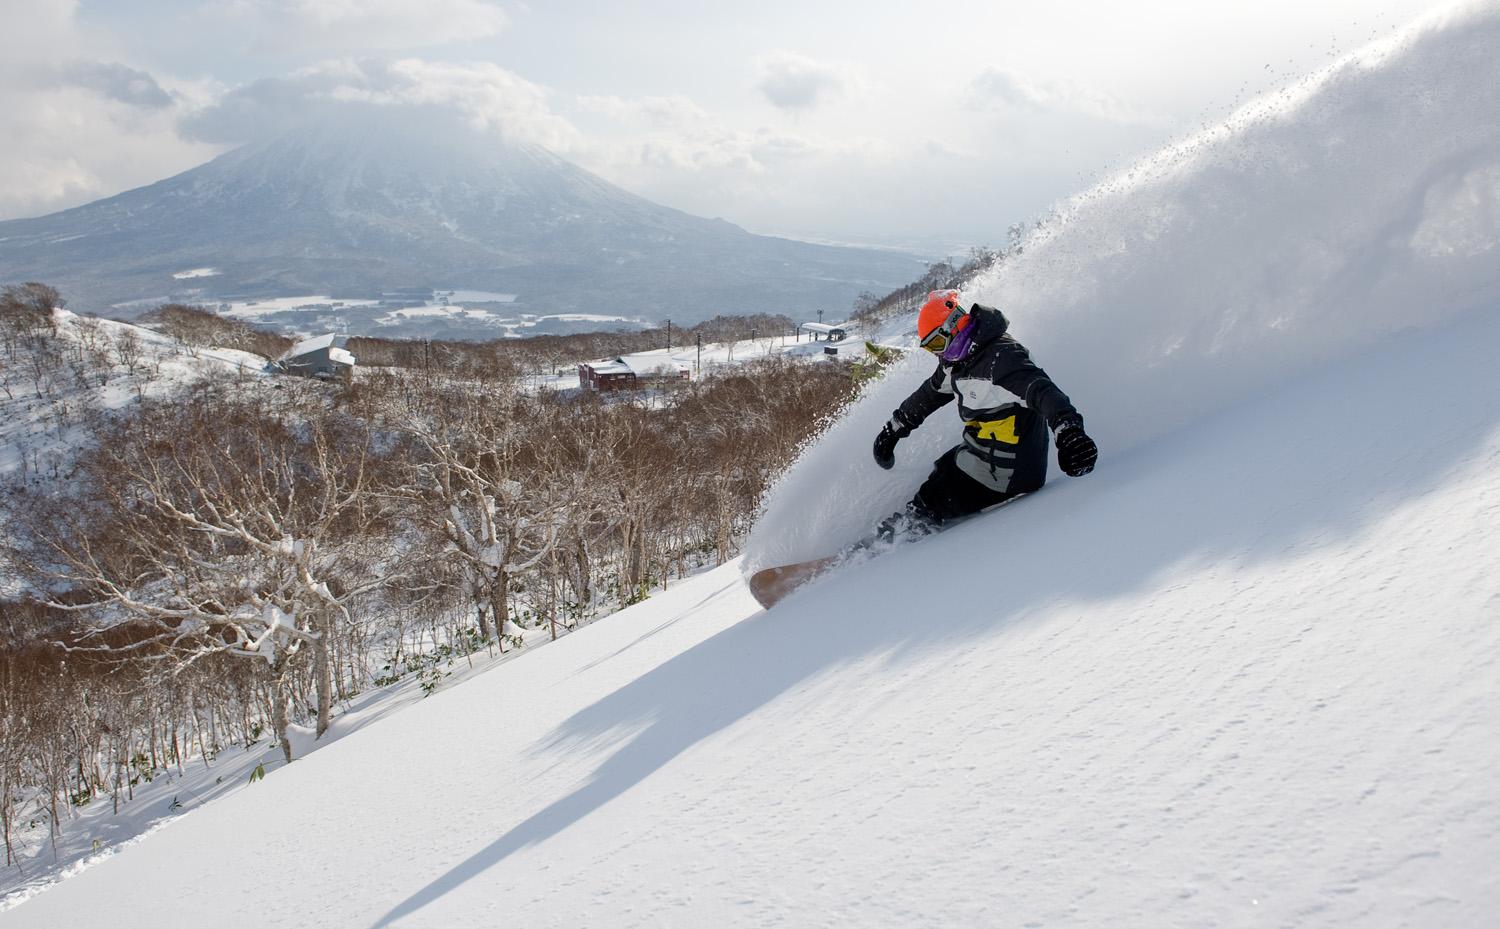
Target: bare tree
(13, 746)
(29, 306)
(478, 480)
(128, 350)
(226, 533)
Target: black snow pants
(952, 491)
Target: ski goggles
(938, 339)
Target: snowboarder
(1004, 449)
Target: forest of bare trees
(238, 556)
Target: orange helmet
(942, 317)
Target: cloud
(673, 134)
(85, 121)
(117, 82)
(658, 112)
(795, 82)
(488, 96)
(366, 25)
(706, 145)
(82, 129)
(750, 152)
(768, 178)
(995, 89)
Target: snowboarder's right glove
(1076, 452)
(885, 444)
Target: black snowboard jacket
(986, 382)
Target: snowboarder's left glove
(885, 444)
(1076, 452)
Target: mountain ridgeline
(367, 205)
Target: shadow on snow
(1314, 463)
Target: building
(321, 356)
(632, 372)
(822, 331)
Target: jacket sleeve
(1016, 372)
(933, 394)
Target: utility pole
(820, 316)
(699, 366)
(669, 335)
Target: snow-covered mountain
(1245, 674)
(365, 204)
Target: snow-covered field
(718, 356)
(476, 310)
(253, 310)
(1245, 674)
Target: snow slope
(1245, 674)
(97, 831)
(46, 409)
(39, 434)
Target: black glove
(885, 444)
(1076, 452)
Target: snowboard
(769, 586)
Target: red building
(631, 372)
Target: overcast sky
(935, 125)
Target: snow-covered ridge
(1358, 205)
(50, 389)
(100, 364)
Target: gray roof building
(321, 356)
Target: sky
(933, 127)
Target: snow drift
(1357, 205)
